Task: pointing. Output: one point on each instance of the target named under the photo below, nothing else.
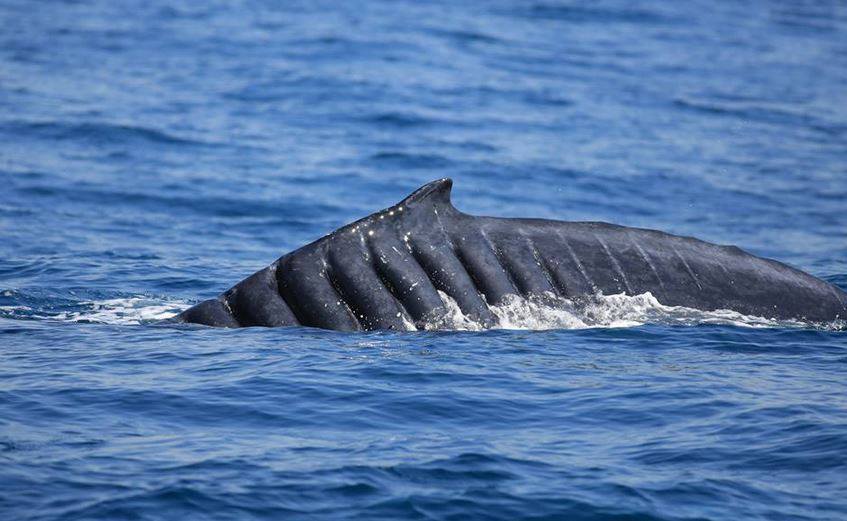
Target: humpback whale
(388, 271)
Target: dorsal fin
(435, 193)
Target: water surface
(154, 153)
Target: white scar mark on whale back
(615, 264)
(649, 262)
(576, 261)
(687, 268)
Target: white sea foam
(124, 311)
(609, 311)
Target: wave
(410, 160)
(98, 132)
(762, 114)
(593, 14)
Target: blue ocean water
(154, 153)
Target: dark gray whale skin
(384, 272)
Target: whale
(397, 268)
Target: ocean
(152, 154)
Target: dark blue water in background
(154, 153)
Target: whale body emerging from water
(389, 270)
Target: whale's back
(390, 270)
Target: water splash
(599, 311)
